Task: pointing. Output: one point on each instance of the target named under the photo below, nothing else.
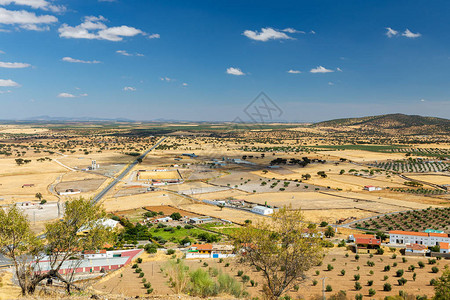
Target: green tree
(279, 251)
(442, 286)
(329, 232)
(38, 196)
(176, 216)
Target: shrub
(433, 281)
(357, 257)
(411, 268)
(402, 281)
(358, 286)
(421, 264)
(296, 287)
(414, 276)
(329, 288)
(372, 292)
(245, 278)
(431, 261)
(240, 273)
(227, 265)
(317, 272)
(434, 269)
(228, 284)
(394, 256)
(205, 264)
(147, 285)
(330, 267)
(139, 260)
(170, 251)
(134, 266)
(385, 277)
(387, 268)
(252, 283)
(342, 272)
(149, 291)
(358, 297)
(141, 274)
(370, 263)
(404, 259)
(380, 251)
(356, 277)
(394, 264)
(387, 287)
(370, 282)
(314, 282)
(399, 273)
(202, 284)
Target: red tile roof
(438, 234)
(361, 235)
(202, 247)
(444, 246)
(408, 233)
(416, 247)
(368, 241)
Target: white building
(444, 247)
(372, 188)
(262, 210)
(430, 239)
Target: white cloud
(140, 54)
(5, 92)
(312, 32)
(391, 32)
(36, 4)
(123, 52)
(15, 65)
(410, 34)
(292, 30)
(185, 84)
(154, 36)
(235, 71)
(23, 17)
(166, 79)
(422, 100)
(95, 28)
(74, 60)
(320, 69)
(35, 27)
(129, 88)
(8, 82)
(266, 34)
(339, 69)
(330, 83)
(83, 95)
(294, 72)
(66, 95)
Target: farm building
(416, 249)
(200, 220)
(93, 262)
(353, 237)
(429, 239)
(367, 244)
(69, 192)
(372, 188)
(262, 210)
(209, 251)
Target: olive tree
(282, 247)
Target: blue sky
(206, 60)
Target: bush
(385, 277)
(240, 273)
(421, 264)
(139, 260)
(400, 273)
(402, 281)
(404, 259)
(330, 267)
(201, 284)
(228, 284)
(370, 263)
(433, 282)
(170, 251)
(434, 269)
(151, 248)
(372, 292)
(387, 287)
(356, 277)
(245, 278)
(141, 274)
(380, 251)
(358, 297)
(147, 285)
(135, 266)
(357, 257)
(358, 286)
(342, 272)
(387, 268)
(314, 282)
(149, 291)
(227, 265)
(329, 288)
(370, 282)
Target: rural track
(119, 178)
(423, 182)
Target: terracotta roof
(408, 233)
(444, 246)
(416, 247)
(95, 251)
(438, 234)
(368, 241)
(361, 235)
(203, 247)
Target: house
(200, 220)
(367, 244)
(69, 192)
(444, 248)
(262, 210)
(429, 239)
(353, 237)
(95, 254)
(163, 220)
(372, 188)
(416, 249)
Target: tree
(38, 196)
(17, 242)
(329, 232)
(442, 286)
(80, 229)
(306, 176)
(280, 250)
(176, 216)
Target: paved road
(100, 195)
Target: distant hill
(411, 123)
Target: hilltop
(411, 124)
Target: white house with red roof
(444, 248)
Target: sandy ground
(8, 290)
(234, 215)
(364, 156)
(141, 200)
